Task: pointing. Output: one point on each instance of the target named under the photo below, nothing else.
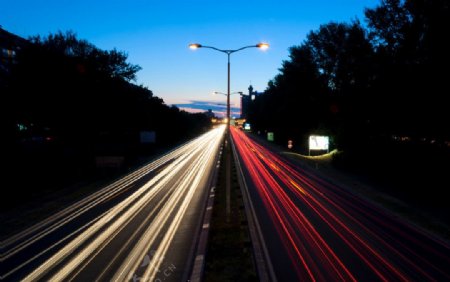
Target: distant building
(246, 100)
(210, 114)
(10, 44)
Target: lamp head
(194, 46)
(263, 46)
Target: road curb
(261, 256)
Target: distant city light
(21, 127)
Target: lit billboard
(318, 142)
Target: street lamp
(195, 46)
(239, 92)
(261, 45)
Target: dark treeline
(70, 102)
(368, 86)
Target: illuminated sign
(318, 142)
(270, 136)
(247, 126)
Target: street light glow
(263, 46)
(194, 46)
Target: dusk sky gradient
(156, 35)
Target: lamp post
(262, 46)
(239, 92)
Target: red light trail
(331, 234)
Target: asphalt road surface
(316, 230)
(142, 227)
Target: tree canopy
(385, 78)
(69, 101)
(77, 91)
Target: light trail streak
(331, 234)
(177, 181)
(189, 182)
(20, 241)
(372, 215)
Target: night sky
(156, 34)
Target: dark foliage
(69, 102)
(379, 92)
(365, 84)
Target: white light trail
(193, 161)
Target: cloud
(218, 108)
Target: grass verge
(229, 252)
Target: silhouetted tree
(69, 101)
(323, 87)
(343, 55)
(411, 40)
(364, 85)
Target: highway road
(143, 227)
(317, 230)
